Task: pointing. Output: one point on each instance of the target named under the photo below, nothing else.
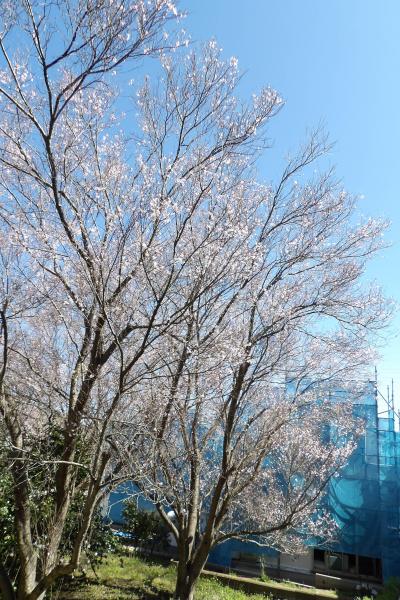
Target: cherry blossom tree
(156, 295)
(230, 431)
(70, 253)
(229, 434)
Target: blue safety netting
(365, 499)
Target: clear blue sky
(335, 61)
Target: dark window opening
(319, 555)
(365, 565)
(378, 564)
(369, 566)
(352, 560)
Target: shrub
(145, 527)
(391, 590)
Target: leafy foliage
(146, 527)
(7, 538)
(391, 590)
(100, 540)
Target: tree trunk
(27, 578)
(184, 589)
(188, 573)
(184, 584)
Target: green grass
(123, 578)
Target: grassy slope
(123, 578)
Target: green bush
(100, 541)
(8, 555)
(391, 590)
(146, 528)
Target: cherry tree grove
(157, 296)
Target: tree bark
(27, 553)
(189, 570)
(184, 589)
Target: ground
(131, 578)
